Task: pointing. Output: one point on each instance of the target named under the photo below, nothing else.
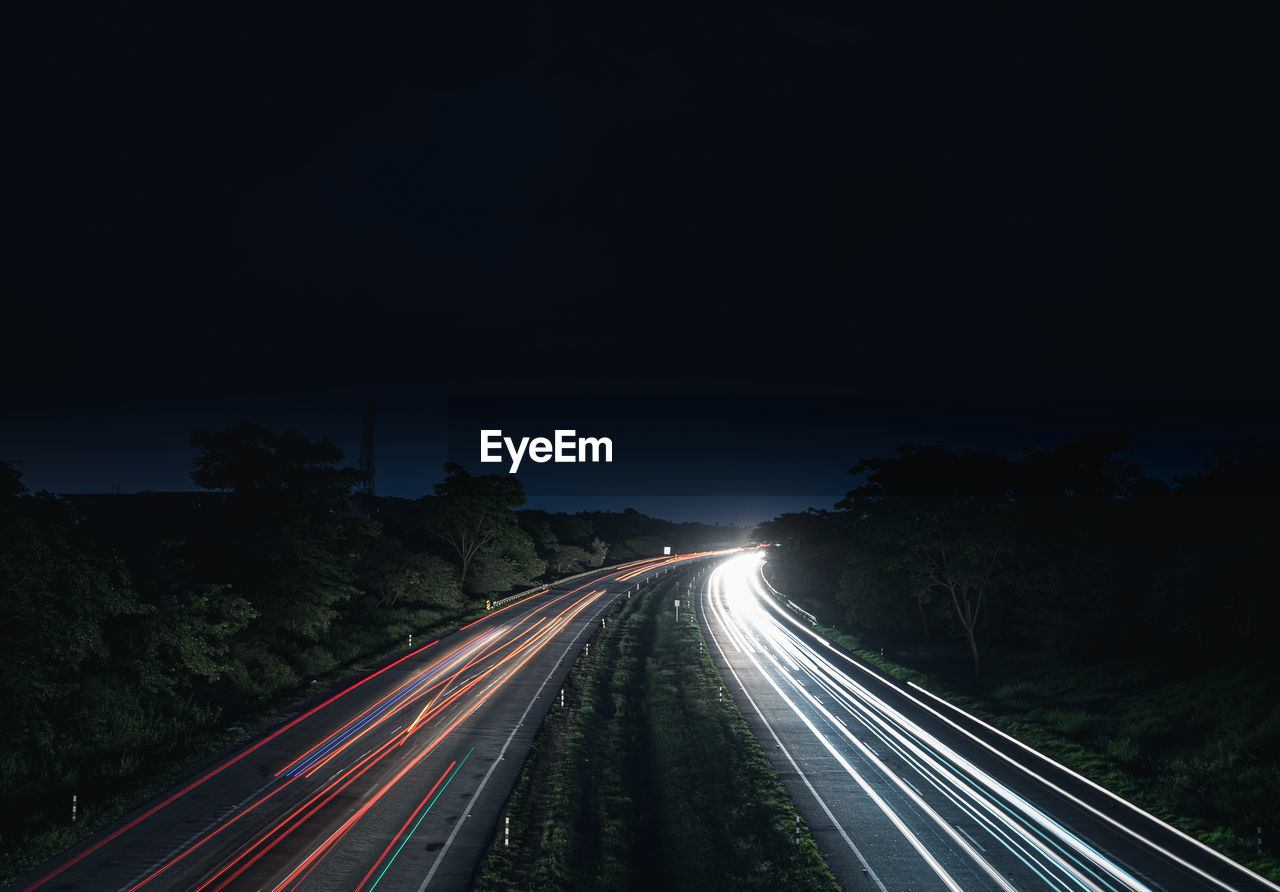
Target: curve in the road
(917, 776)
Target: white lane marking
(967, 768)
(913, 792)
(771, 603)
(961, 769)
(971, 839)
(884, 807)
(1082, 804)
(190, 839)
(502, 753)
(826, 810)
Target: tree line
(135, 625)
(1072, 552)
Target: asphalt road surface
(904, 792)
(392, 781)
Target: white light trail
(783, 658)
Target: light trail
(1120, 826)
(826, 809)
(408, 688)
(949, 773)
(283, 832)
(406, 824)
(1101, 815)
(496, 654)
(445, 686)
(111, 837)
(894, 818)
(819, 693)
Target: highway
(904, 792)
(394, 780)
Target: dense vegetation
(138, 627)
(648, 778)
(1111, 618)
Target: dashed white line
(971, 839)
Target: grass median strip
(648, 777)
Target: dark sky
(980, 226)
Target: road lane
(904, 792)
(393, 782)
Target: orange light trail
(545, 634)
(382, 704)
(523, 645)
(348, 777)
(413, 814)
(284, 785)
(483, 653)
(522, 648)
(225, 765)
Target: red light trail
(280, 834)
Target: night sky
(751, 243)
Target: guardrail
(547, 586)
(813, 620)
(537, 590)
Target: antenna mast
(366, 459)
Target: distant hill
(631, 534)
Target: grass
(649, 778)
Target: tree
(189, 625)
(509, 561)
(809, 552)
(398, 577)
(292, 544)
(10, 484)
(567, 542)
(566, 560)
(944, 521)
(59, 595)
(274, 473)
(57, 592)
(469, 513)
(1080, 557)
(597, 550)
(538, 525)
(1217, 584)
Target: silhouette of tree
(944, 521)
(468, 513)
(292, 544)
